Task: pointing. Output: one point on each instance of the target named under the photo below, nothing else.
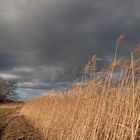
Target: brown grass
(100, 108)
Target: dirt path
(11, 105)
(14, 126)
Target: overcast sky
(49, 41)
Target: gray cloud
(50, 41)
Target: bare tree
(7, 89)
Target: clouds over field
(47, 41)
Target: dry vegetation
(14, 126)
(103, 106)
(7, 89)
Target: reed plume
(115, 64)
(119, 40)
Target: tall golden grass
(102, 107)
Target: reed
(98, 110)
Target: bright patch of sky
(28, 93)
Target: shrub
(7, 89)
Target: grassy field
(105, 106)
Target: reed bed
(101, 106)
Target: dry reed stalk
(133, 92)
(119, 40)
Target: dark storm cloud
(50, 41)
